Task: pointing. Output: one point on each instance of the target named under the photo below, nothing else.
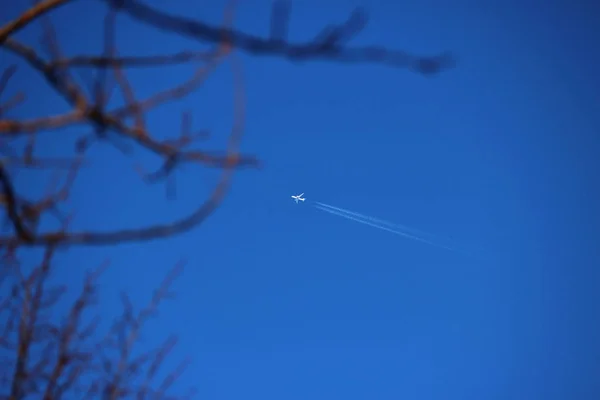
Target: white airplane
(299, 197)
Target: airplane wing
(301, 194)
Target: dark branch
(12, 208)
(330, 47)
(29, 16)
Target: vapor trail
(378, 221)
(378, 226)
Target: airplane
(299, 197)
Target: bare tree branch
(29, 16)
(329, 44)
(51, 360)
(173, 152)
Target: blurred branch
(10, 203)
(29, 16)
(93, 111)
(5, 77)
(54, 360)
(329, 44)
(155, 231)
(183, 57)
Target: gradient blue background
(280, 301)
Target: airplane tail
(301, 199)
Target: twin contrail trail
(378, 221)
(379, 224)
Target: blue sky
(279, 300)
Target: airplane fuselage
(298, 197)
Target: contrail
(378, 226)
(377, 220)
